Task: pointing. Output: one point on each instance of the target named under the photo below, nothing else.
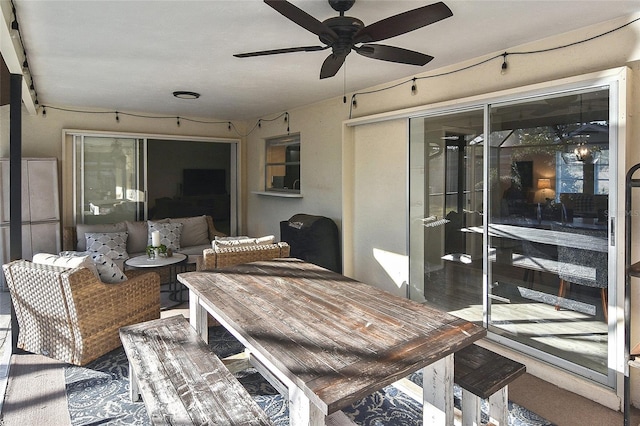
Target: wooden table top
(336, 338)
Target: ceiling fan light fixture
(184, 94)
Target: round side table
(143, 262)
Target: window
(282, 168)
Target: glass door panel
(446, 196)
(548, 225)
(109, 179)
(511, 230)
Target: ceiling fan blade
(403, 23)
(393, 54)
(279, 51)
(332, 64)
(303, 19)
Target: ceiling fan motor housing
(345, 27)
(341, 5)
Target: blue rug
(98, 394)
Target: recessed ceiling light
(183, 94)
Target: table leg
(301, 411)
(437, 388)
(198, 316)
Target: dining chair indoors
(582, 267)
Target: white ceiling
(131, 55)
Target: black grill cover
(313, 239)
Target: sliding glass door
(446, 176)
(109, 179)
(511, 230)
(118, 177)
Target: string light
(414, 87)
(117, 117)
(354, 103)
(504, 67)
(178, 121)
(44, 111)
(16, 35)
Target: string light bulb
(117, 117)
(503, 71)
(354, 103)
(178, 121)
(414, 87)
(15, 27)
(44, 111)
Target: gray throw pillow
(169, 234)
(107, 270)
(82, 229)
(111, 244)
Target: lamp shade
(544, 183)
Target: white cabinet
(40, 208)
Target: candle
(155, 238)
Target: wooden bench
(181, 380)
(484, 374)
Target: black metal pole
(15, 186)
(630, 184)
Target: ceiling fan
(344, 33)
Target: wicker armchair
(70, 315)
(229, 256)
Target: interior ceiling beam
(13, 57)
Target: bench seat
(181, 380)
(484, 374)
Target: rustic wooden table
(328, 339)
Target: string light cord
(502, 56)
(179, 119)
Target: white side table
(175, 288)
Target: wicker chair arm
(101, 309)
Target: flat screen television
(204, 182)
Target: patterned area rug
(98, 394)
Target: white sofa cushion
(104, 268)
(195, 231)
(69, 260)
(243, 241)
